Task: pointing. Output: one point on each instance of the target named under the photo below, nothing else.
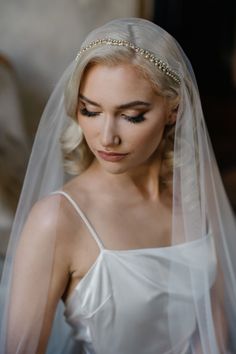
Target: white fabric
(122, 301)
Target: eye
(87, 113)
(135, 119)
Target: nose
(109, 132)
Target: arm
(39, 279)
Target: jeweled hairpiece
(160, 64)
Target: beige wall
(42, 36)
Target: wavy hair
(77, 156)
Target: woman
(139, 243)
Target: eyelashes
(135, 119)
(132, 119)
(87, 113)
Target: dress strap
(83, 217)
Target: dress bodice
(131, 301)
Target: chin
(114, 168)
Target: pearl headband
(160, 64)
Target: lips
(111, 156)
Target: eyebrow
(125, 105)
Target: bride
(123, 240)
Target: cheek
(89, 129)
(149, 140)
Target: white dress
(122, 305)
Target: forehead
(119, 83)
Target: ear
(171, 119)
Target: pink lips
(111, 156)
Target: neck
(141, 181)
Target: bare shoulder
(48, 214)
(49, 235)
(51, 220)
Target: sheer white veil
(201, 212)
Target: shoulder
(58, 212)
(47, 210)
(51, 232)
(51, 218)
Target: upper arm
(40, 275)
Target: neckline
(132, 251)
(125, 251)
(155, 249)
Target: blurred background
(38, 39)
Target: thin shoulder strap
(83, 217)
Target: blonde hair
(77, 155)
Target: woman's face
(121, 116)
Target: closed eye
(87, 113)
(134, 119)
